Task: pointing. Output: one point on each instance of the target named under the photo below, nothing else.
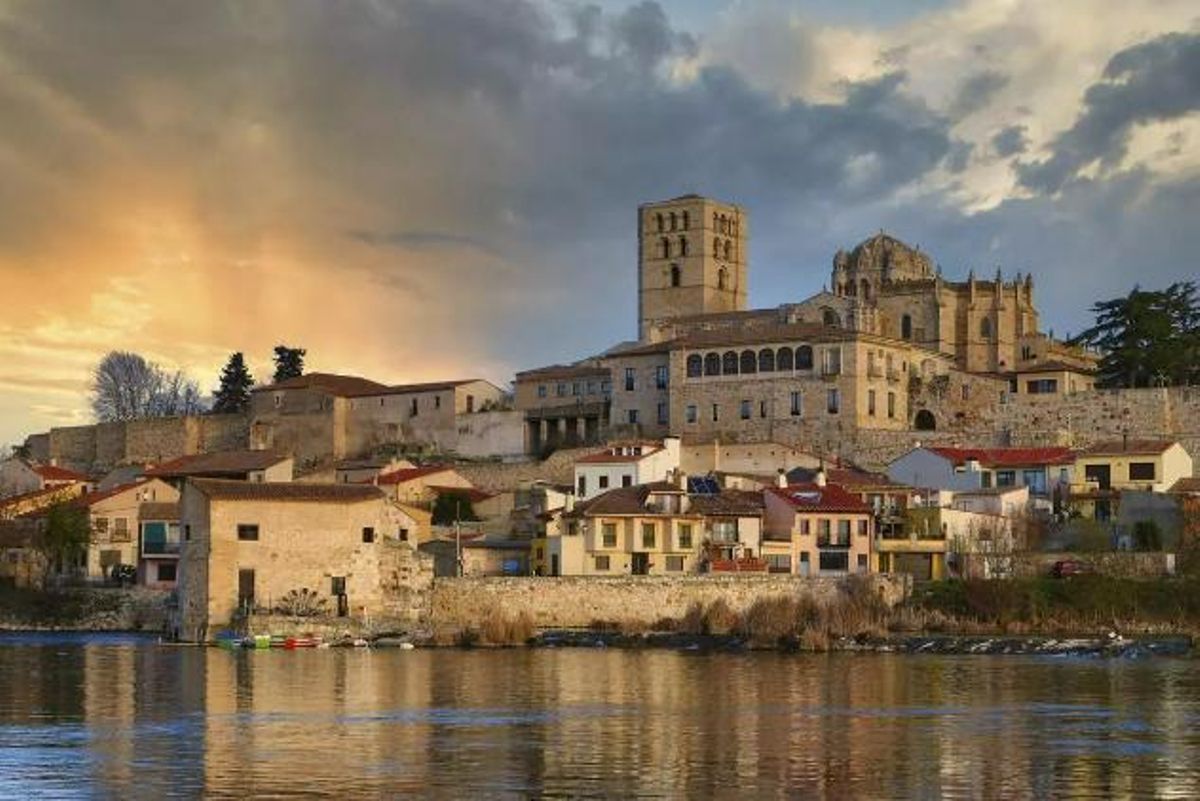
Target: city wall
(580, 601)
(103, 445)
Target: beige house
(421, 485)
(247, 545)
(817, 529)
(115, 516)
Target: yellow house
(817, 529)
(1102, 471)
(115, 516)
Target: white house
(626, 465)
(943, 468)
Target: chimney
(820, 479)
(781, 479)
(681, 479)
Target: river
(120, 717)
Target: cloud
(976, 92)
(1150, 82)
(1010, 141)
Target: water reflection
(129, 719)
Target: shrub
(770, 620)
(500, 629)
(302, 603)
(719, 618)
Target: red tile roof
(219, 464)
(50, 472)
(814, 498)
(344, 386)
(404, 475)
(1007, 457)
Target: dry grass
(500, 629)
(720, 619)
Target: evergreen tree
(234, 393)
(64, 538)
(289, 362)
(449, 507)
(1147, 338)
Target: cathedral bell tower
(691, 259)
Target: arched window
(695, 365)
(783, 360)
(729, 363)
(766, 361)
(866, 289)
(846, 289)
(674, 222)
(664, 247)
(830, 318)
(660, 222)
(675, 275)
(722, 279)
(712, 364)
(906, 327)
(683, 246)
(749, 362)
(717, 247)
(985, 328)
(724, 227)
(804, 358)
(924, 421)
(687, 223)
(728, 250)
(715, 221)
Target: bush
(719, 618)
(770, 620)
(302, 603)
(500, 629)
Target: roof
(1056, 366)
(159, 511)
(728, 503)
(50, 472)
(556, 371)
(814, 498)
(472, 494)
(851, 478)
(363, 464)
(608, 457)
(407, 474)
(32, 495)
(1006, 457)
(1190, 486)
(286, 491)
(623, 500)
(93, 498)
(345, 386)
(756, 335)
(219, 464)
(433, 386)
(1134, 447)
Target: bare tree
(125, 386)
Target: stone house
(421, 485)
(817, 529)
(21, 477)
(247, 545)
(625, 464)
(115, 516)
(563, 405)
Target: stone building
(563, 405)
(247, 545)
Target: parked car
(1065, 568)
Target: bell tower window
(675, 275)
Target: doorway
(641, 564)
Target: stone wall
(500, 477)
(103, 445)
(578, 601)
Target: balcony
(833, 542)
(874, 371)
(153, 547)
(893, 375)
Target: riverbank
(84, 609)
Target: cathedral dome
(887, 258)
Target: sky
(431, 189)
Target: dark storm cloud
(1010, 141)
(976, 92)
(1150, 82)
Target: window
(663, 414)
(561, 390)
(1043, 386)
(687, 223)
(831, 401)
(712, 364)
(862, 563)
(576, 389)
(685, 536)
(626, 480)
(783, 360)
(608, 535)
(762, 409)
(766, 361)
(779, 563)
(437, 402)
(985, 328)
(403, 535)
(647, 535)
(966, 391)
(675, 277)
(101, 524)
(541, 390)
(831, 363)
(843, 532)
(862, 528)
(728, 250)
(675, 564)
(412, 408)
(368, 534)
(729, 363)
(602, 563)
(745, 410)
(581, 488)
(1006, 478)
(1141, 471)
(664, 248)
(633, 417)
(683, 246)
(246, 589)
(660, 377)
(603, 482)
(797, 404)
(891, 405)
(691, 413)
(830, 318)
(247, 532)
(591, 387)
(906, 327)
(716, 412)
(805, 528)
(187, 532)
(120, 529)
(804, 358)
(695, 366)
(674, 221)
(660, 222)
(749, 362)
(835, 561)
(630, 379)
(722, 279)
(166, 571)
(871, 402)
